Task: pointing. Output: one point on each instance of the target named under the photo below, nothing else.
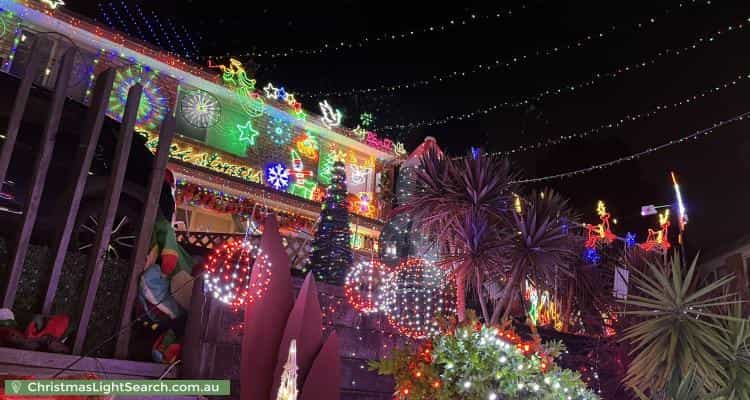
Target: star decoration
(248, 133)
(271, 91)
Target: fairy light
(500, 63)
(148, 25)
(363, 284)
(635, 156)
(229, 270)
(623, 120)
(326, 47)
(168, 38)
(414, 295)
(572, 87)
(132, 19)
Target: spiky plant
(679, 327)
(736, 338)
(460, 203)
(689, 388)
(539, 245)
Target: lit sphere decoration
(200, 108)
(229, 270)
(415, 293)
(363, 284)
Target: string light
(496, 64)
(622, 121)
(325, 47)
(695, 135)
(228, 273)
(414, 295)
(363, 284)
(700, 42)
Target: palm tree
(538, 246)
(679, 329)
(460, 203)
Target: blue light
(591, 256)
(629, 239)
(277, 175)
(475, 152)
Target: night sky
(713, 170)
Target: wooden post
(112, 198)
(143, 241)
(87, 147)
(192, 361)
(19, 105)
(41, 165)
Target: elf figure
(166, 284)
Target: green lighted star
(248, 133)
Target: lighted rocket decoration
(600, 234)
(658, 240)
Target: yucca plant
(679, 327)
(538, 246)
(460, 203)
(736, 338)
(690, 388)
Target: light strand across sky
(699, 43)
(331, 46)
(693, 136)
(505, 63)
(619, 122)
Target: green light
(248, 134)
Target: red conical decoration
(305, 324)
(324, 380)
(266, 319)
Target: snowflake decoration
(200, 108)
(277, 175)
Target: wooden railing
(80, 166)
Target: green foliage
(736, 338)
(478, 363)
(682, 330)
